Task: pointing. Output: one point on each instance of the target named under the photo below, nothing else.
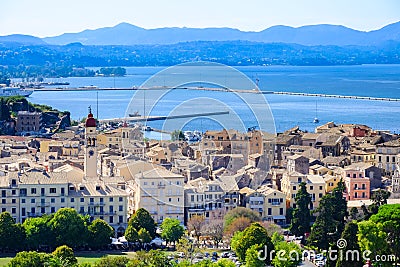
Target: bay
(287, 110)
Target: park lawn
(5, 260)
(92, 257)
(82, 257)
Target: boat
(135, 114)
(316, 120)
(15, 91)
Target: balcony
(275, 203)
(161, 185)
(43, 204)
(96, 204)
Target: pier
(250, 91)
(159, 118)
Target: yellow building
(315, 185)
(363, 156)
(161, 192)
(268, 202)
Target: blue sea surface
(287, 110)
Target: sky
(53, 17)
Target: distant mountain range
(127, 34)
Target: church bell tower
(90, 146)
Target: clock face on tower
(91, 152)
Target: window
(22, 191)
(13, 192)
(13, 210)
(294, 187)
(120, 199)
(269, 211)
(311, 187)
(320, 188)
(3, 193)
(72, 199)
(3, 201)
(120, 219)
(169, 199)
(52, 200)
(121, 208)
(81, 209)
(192, 198)
(62, 191)
(91, 200)
(111, 219)
(32, 200)
(23, 200)
(281, 211)
(53, 190)
(111, 209)
(42, 191)
(101, 200)
(82, 199)
(62, 200)
(111, 199)
(33, 190)
(42, 210)
(23, 212)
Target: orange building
(357, 186)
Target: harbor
(240, 91)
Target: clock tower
(90, 146)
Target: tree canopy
(301, 219)
(142, 219)
(171, 230)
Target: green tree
(142, 219)
(238, 212)
(12, 236)
(4, 110)
(66, 256)
(131, 235)
(381, 233)
(288, 254)
(171, 230)
(187, 247)
(69, 228)
(379, 198)
(144, 236)
(177, 135)
(301, 220)
(100, 234)
(354, 213)
(330, 221)
(255, 234)
(112, 261)
(153, 258)
(350, 235)
(38, 232)
(30, 259)
(252, 256)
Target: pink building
(357, 186)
